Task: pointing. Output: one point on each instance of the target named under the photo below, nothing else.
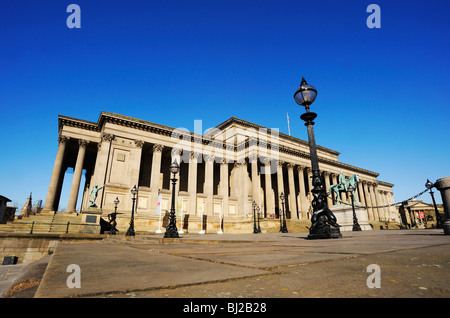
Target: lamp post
(356, 226)
(257, 213)
(171, 230)
(255, 229)
(283, 228)
(113, 229)
(130, 231)
(429, 186)
(323, 221)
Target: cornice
(75, 122)
(122, 120)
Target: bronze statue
(94, 193)
(343, 186)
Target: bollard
(443, 185)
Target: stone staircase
(56, 223)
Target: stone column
(326, 176)
(224, 185)
(310, 186)
(384, 199)
(255, 179)
(392, 208)
(71, 206)
(333, 182)
(368, 200)
(280, 184)
(192, 183)
(270, 200)
(361, 194)
(379, 199)
(385, 203)
(292, 196)
(302, 201)
(155, 177)
(373, 191)
(443, 185)
(56, 174)
(209, 184)
(336, 181)
(135, 162)
(245, 182)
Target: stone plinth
(443, 185)
(91, 217)
(344, 216)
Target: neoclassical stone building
(222, 171)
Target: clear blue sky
(383, 94)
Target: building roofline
(235, 120)
(168, 131)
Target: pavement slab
(411, 263)
(106, 268)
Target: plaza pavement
(412, 263)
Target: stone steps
(43, 224)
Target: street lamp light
(130, 231)
(113, 222)
(323, 221)
(429, 186)
(283, 229)
(356, 226)
(171, 230)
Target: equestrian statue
(343, 185)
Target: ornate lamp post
(323, 221)
(429, 186)
(113, 229)
(257, 213)
(255, 229)
(171, 230)
(356, 226)
(283, 229)
(130, 231)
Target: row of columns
(50, 202)
(299, 203)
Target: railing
(33, 223)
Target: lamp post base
(327, 233)
(323, 230)
(130, 231)
(171, 233)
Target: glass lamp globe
(174, 167)
(305, 94)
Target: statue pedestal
(91, 220)
(344, 216)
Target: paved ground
(410, 263)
